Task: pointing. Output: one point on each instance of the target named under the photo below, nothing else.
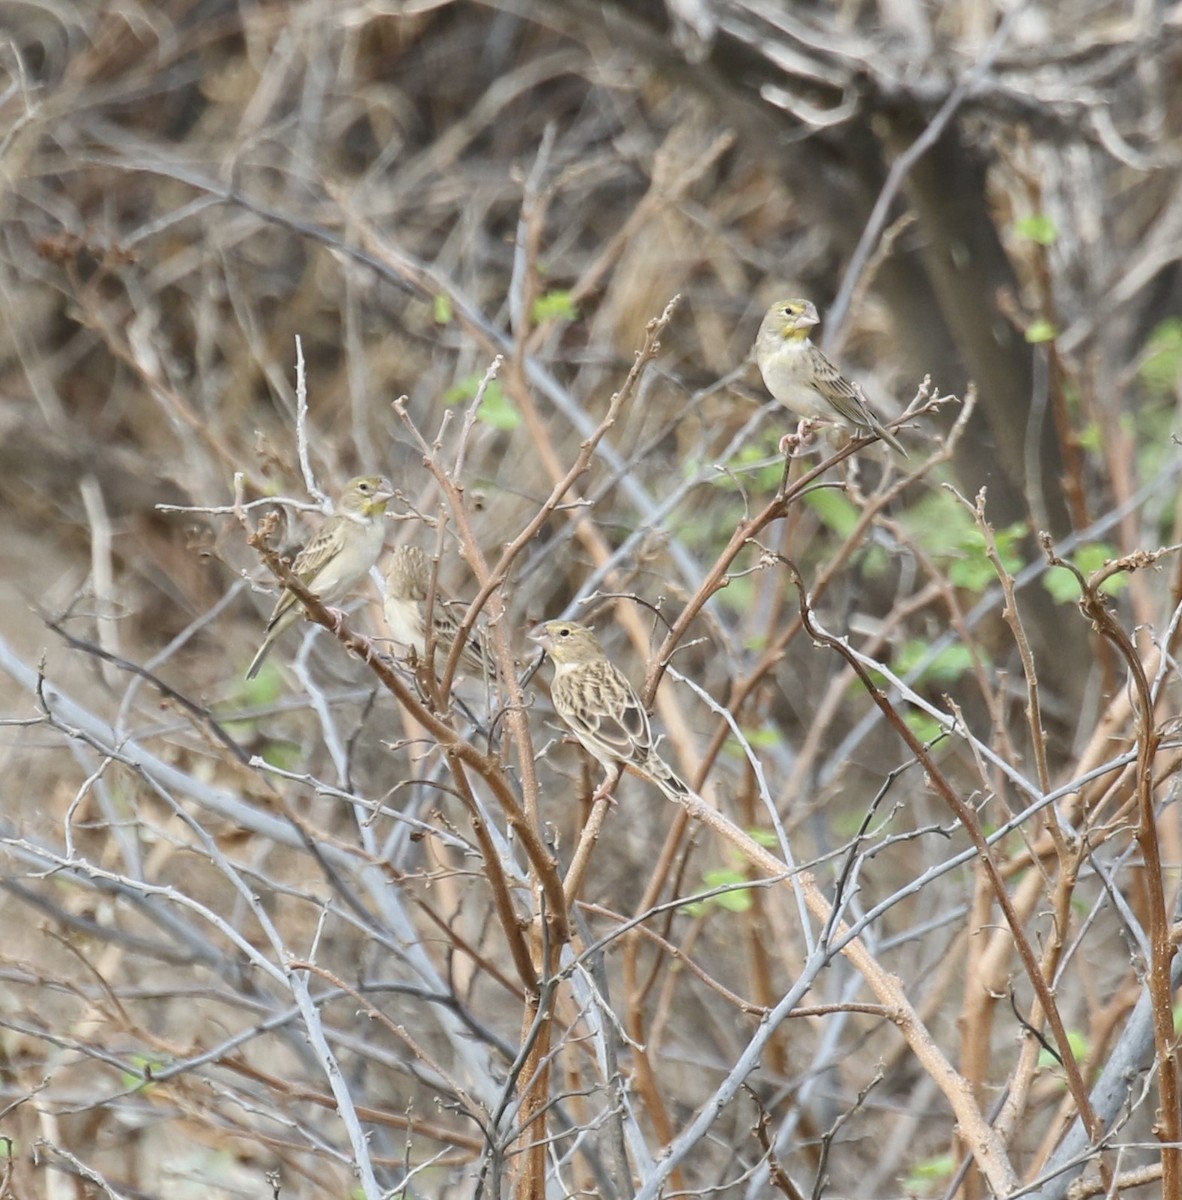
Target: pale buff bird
(337, 558)
(803, 380)
(408, 581)
(601, 708)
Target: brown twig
(968, 818)
(457, 750)
(1095, 607)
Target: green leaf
(974, 570)
(1089, 437)
(843, 824)
(1093, 556)
(1062, 584)
(442, 309)
(552, 305)
(1080, 1048)
(836, 512)
(261, 692)
(757, 467)
(938, 523)
(1041, 331)
(145, 1066)
(947, 667)
(264, 689)
(762, 739)
(1037, 228)
(949, 534)
(1162, 363)
(1007, 539)
(283, 755)
(496, 409)
(736, 901)
(926, 728)
(973, 574)
(929, 1171)
(765, 837)
(875, 562)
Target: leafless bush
(357, 926)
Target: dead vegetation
(353, 929)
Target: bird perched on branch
(408, 580)
(337, 558)
(803, 380)
(601, 708)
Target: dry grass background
(246, 924)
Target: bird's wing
(838, 391)
(616, 717)
(448, 616)
(325, 543)
(622, 725)
(323, 547)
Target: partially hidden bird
(601, 708)
(408, 582)
(802, 379)
(337, 558)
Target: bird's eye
(564, 633)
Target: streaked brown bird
(408, 580)
(337, 558)
(601, 708)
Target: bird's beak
(385, 492)
(540, 635)
(808, 318)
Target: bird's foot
(604, 792)
(606, 789)
(338, 617)
(791, 443)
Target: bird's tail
(889, 438)
(667, 779)
(257, 661)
